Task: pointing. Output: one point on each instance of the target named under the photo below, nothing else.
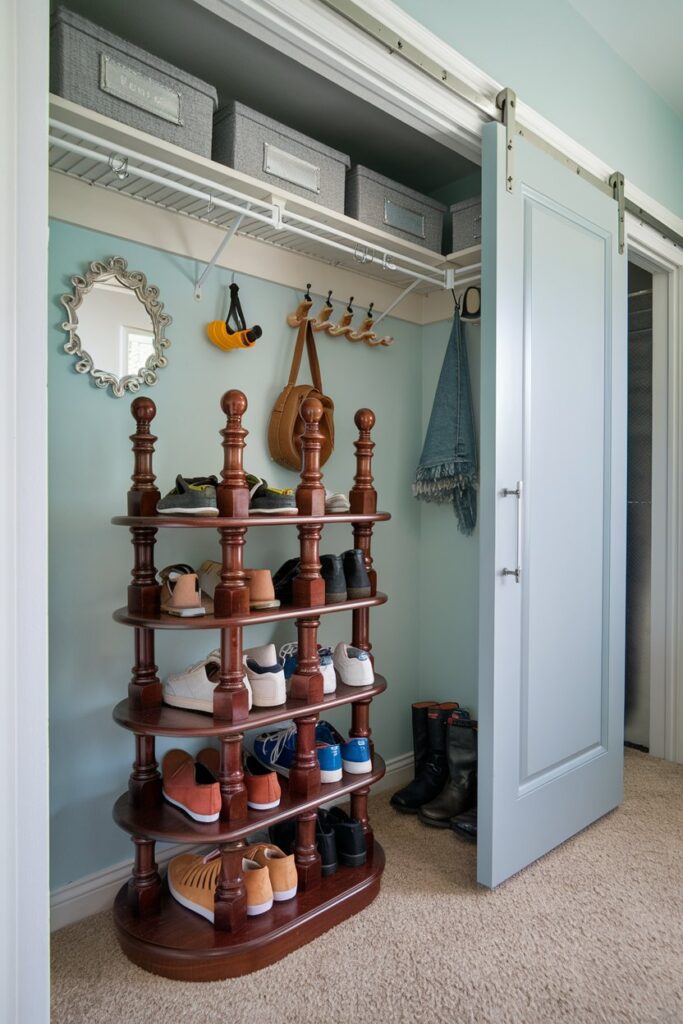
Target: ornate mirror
(116, 326)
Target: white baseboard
(96, 892)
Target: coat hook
(344, 325)
(322, 321)
(302, 310)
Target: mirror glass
(116, 327)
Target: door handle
(517, 493)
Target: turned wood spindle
(363, 496)
(306, 854)
(359, 811)
(231, 780)
(233, 493)
(306, 683)
(144, 886)
(230, 902)
(230, 697)
(310, 494)
(143, 495)
(144, 688)
(144, 783)
(304, 775)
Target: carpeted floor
(591, 933)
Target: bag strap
(306, 332)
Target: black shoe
(465, 825)
(460, 792)
(356, 575)
(283, 580)
(349, 837)
(434, 774)
(332, 571)
(283, 834)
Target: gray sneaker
(270, 501)
(191, 496)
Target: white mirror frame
(147, 294)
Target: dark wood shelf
(164, 621)
(221, 522)
(168, 824)
(177, 943)
(168, 721)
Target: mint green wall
(90, 466)
(555, 61)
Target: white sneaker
(353, 665)
(336, 502)
(265, 676)
(193, 688)
(288, 660)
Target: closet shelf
(167, 824)
(167, 721)
(223, 522)
(164, 621)
(178, 944)
(108, 154)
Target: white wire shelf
(110, 155)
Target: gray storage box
(95, 68)
(257, 145)
(466, 218)
(382, 203)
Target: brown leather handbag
(286, 427)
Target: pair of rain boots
(445, 758)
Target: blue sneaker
(355, 752)
(289, 661)
(330, 761)
(275, 751)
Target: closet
(542, 578)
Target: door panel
(554, 418)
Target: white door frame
(24, 856)
(665, 262)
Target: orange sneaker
(192, 881)
(190, 786)
(281, 868)
(258, 886)
(263, 787)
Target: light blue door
(553, 508)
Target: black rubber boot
(460, 792)
(465, 825)
(434, 771)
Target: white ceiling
(648, 35)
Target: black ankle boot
(434, 771)
(459, 793)
(465, 825)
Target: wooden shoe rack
(156, 932)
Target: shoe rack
(154, 931)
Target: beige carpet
(593, 932)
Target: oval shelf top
(223, 522)
(167, 721)
(164, 621)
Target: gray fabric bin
(382, 203)
(466, 221)
(95, 68)
(257, 145)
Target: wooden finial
(143, 495)
(310, 494)
(233, 493)
(363, 496)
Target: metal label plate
(291, 168)
(139, 90)
(397, 216)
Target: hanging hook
(322, 321)
(302, 310)
(344, 325)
